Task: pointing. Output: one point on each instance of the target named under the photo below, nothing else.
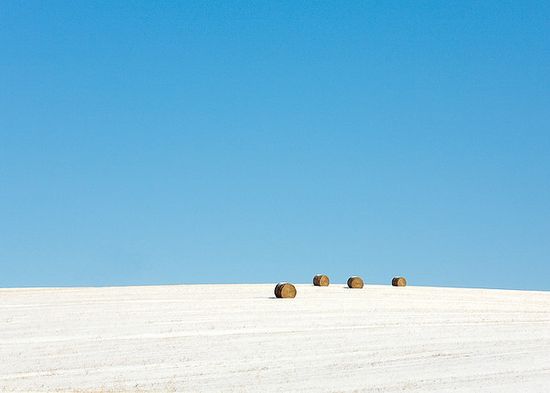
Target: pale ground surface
(237, 338)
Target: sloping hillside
(239, 338)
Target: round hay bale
(355, 282)
(321, 280)
(285, 290)
(399, 282)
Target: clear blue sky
(190, 142)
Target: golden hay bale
(321, 280)
(399, 282)
(285, 290)
(355, 282)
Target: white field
(238, 338)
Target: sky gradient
(213, 142)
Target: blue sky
(191, 142)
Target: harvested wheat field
(240, 338)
